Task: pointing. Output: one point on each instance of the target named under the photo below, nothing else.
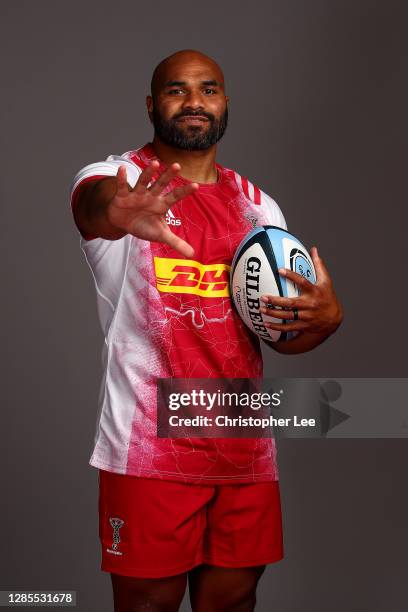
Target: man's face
(189, 110)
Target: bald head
(188, 106)
(176, 62)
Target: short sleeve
(274, 213)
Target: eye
(210, 91)
(175, 91)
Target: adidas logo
(171, 219)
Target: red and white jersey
(165, 316)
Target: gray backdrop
(318, 109)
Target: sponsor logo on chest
(189, 276)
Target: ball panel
(300, 262)
(251, 277)
(250, 238)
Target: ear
(227, 99)
(149, 106)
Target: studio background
(318, 121)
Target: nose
(193, 100)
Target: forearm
(91, 211)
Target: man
(159, 229)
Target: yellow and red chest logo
(188, 276)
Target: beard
(193, 137)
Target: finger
(178, 193)
(164, 179)
(299, 280)
(280, 314)
(284, 302)
(177, 243)
(286, 327)
(322, 273)
(121, 182)
(146, 177)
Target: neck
(196, 166)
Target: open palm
(142, 210)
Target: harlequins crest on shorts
(116, 524)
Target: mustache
(209, 116)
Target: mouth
(193, 119)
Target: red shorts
(152, 528)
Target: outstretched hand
(142, 210)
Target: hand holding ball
(254, 272)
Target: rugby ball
(254, 272)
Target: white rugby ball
(254, 272)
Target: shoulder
(134, 156)
(268, 208)
(108, 167)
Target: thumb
(121, 182)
